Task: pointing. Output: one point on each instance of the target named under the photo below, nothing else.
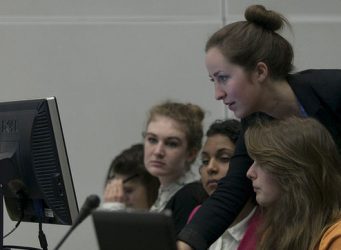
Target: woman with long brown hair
(296, 176)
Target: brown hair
(249, 42)
(189, 116)
(130, 162)
(303, 158)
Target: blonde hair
(303, 157)
(188, 115)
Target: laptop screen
(134, 230)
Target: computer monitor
(35, 177)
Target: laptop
(134, 230)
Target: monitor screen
(35, 176)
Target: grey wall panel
(300, 8)
(117, 8)
(316, 44)
(105, 77)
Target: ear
(261, 72)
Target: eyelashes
(220, 79)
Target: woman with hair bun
(250, 66)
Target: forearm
(183, 246)
(213, 218)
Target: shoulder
(194, 188)
(318, 88)
(190, 217)
(192, 191)
(184, 201)
(315, 75)
(324, 81)
(331, 239)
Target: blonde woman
(172, 141)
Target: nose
(251, 173)
(211, 168)
(219, 93)
(159, 150)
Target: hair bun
(267, 19)
(196, 112)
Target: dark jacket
(319, 92)
(184, 201)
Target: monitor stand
(2, 220)
(2, 247)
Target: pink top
(190, 217)
(249, 240)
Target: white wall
(108, 62)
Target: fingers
(114, 191)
